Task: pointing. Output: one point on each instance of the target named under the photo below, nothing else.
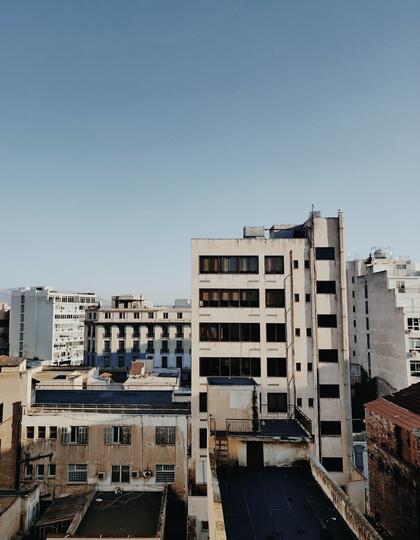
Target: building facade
(134, 329)
(48, 325)
(384, 320)
(274, 308)
(4, 329)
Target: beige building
(272, 308)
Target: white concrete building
(48, 325)
(134, 329)
(272, 309)
(384, 320)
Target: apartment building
(271, 309)
(4, 328)
(133, 329)
(48, 325)
(384, 320)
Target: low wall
(360, 526)
(216, 519)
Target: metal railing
(109, 408)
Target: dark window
(274, 298)
(367, 308)
(230, 367)
(165, 435)
(229, 298)
(333, 464)
(30, 432)
(164, 361)
(274, 264)
(368, 340)
(230, 332)
(309, 332)
(307, 297)
(367, 323)
(276, 402)
(328, 355)
(179, 362)
(228, 265)
(296, 297)
(276, 332)
(324, 253)
(327, 321)
(307, 263)
(330, 428)
(203, 437)
(295, 264)
(53, 432)
(298, 366)
(276, 367)
(41, 432)
(329, 391)
(121, 361)
(310, 402)
(309, 366)
(297, 332)
(120, 473)
(325, 287)
(203, 401)
(299, 402)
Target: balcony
(179, 351)
(164, 351)
(150, 350)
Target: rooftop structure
(4, 328)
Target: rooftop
(408, 398)
(62, 509)
(10, 361)
(280, 428)
(277, 503)
(231, 381)
(131, 514)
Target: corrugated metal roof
(394, 413)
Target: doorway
(254, 454)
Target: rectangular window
(276, 367)
(41, 432)
(30, 432)
(277, 402)
(333, 464)
(307, 297)
(310, 402)
(307, 263)
(28, 471)
(325, 287)
(77, 473)
(120, 474)
(327, 321)
(53, 432)
(229, 298)
(330, 428)
(274, 264)
(179, 362)
(51, 470)
(230, 367)
(274, 298)
(297, 332)
(276, 332)
(165, 435)
(203, 401)
(165, 474)
(228, 265)
(74, 435)
(40, 471)
(230, 332)
(309, 332)
(328, 355)
(203, 437)
(179, 315)
(324, 254)
(329, 391)
(413, 323)
(164, 362)
(295, 264)
(118, 435)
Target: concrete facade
(4, 329)
(384, 318)
(48, 325)
(134, 329)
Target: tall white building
(384, 320)
(133, 329)
(271, 309)
(48, 325)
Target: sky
(129, 127)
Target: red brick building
(393, 435)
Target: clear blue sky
(128, 127)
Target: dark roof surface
(408, 398)
(62, 509)
(105, 397)
(231, 381)
(278, 503)
(134, 513)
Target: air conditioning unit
(147, 474)
(135, 474)
(101, 475)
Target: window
(165, 473)
(40, 471)
(74, 435)
(276, 367)
(1, 413)
(230, 367)
(299, 402)
(178, 345)
(120, 473)
(229, 298)
(274, 298)
(327, 321)
(203, 437)
(30, 432)
(295, 264)
(310, 402)
(203, 401)
(274, 264)
(77, 473)
(121, 346)
(166, 315)
(330, 428)
(276, 332)
(328, 355)
(150, 347)
(413, 323)
(165, 435)
(179, 362)
(309, 366)
(118, 435)
(329, 391)
(298, 366)
(165, 347)
(368, 340)
(28, 471)
(136, 315)
(297, 332)
(309, 332)
(121, 361)
(136, 345)
(179, 315)
(333, 464)
(106, 361)
(150, 314)
(204, 525)
(276, 402)
(51, 470)
(307, 297)
(230, 332)
(307, 263)
(164, 362)
(367, 323)
(228, 265)
(324, 254)
(325, 287)
(367, 308)
(41, 432)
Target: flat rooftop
(231, 381)
(131, 514)
(281, 428)
(277, 503)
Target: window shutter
(65, 435)
(108, 435)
